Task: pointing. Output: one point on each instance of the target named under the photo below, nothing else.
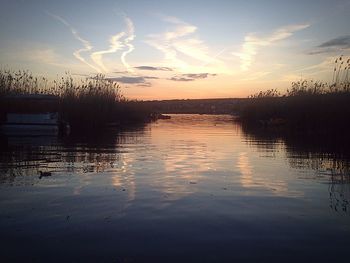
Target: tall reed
(306, 106)
(88, 103)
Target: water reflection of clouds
(245, 168)
(192, 148)
(174, 158)
(268, 181)
(183, 167)
(123, 176)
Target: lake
(194, 188)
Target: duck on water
(44, 174)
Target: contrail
(86, 44)
(131, 36)
(214, 57)
(114, 47)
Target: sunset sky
(177, 49)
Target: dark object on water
(44, 174)
(164, 117)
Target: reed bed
(312, 106)
(90, 103)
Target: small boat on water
(39, 122)
(31, 114)
(164, 117)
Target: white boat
(31, 123)
(31, 114)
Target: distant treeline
(90, 103)
(193, 106)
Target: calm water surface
(194, 188)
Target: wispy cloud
(326, 65)
(182, 42)
(150, 77)
(130, 37)
(128, 79)
(342, 41)
(198, 75)
(191, 76)
(322, 70)
(256, 76)
(115, 45)
(164, 42)
(120, 72)
(147, 84)
(86, 44)
(117, 42)
(151, 68)
(45, 56)
(133, 80)
(334, 45)
(252, 43)
(177, 78)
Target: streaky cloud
(86, 44)
(128, 79)
(323, 66)
(118, 42)
(115, 45)
(215, 56)
(133, 80)
(150, 77)
(176, 78)
(181, 41)
(191, 76)
(334, 45)
(198, 75)
(120, 72)
(131, 36)
(146, 84)
(342, 41)
(252, 43)
(151, 68)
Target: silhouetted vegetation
(89, 103)
(307, 106)
(192, 106)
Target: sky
(177, 49)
